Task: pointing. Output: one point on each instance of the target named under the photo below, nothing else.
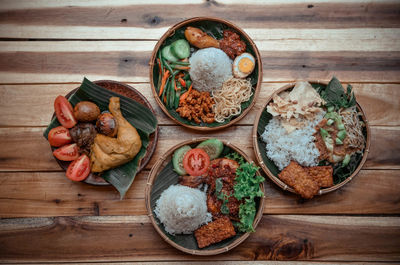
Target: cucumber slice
(167, 54)
(177, 159)
(213, 147)
(180, 49)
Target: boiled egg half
(243, 65)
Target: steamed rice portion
(209, 69)
(282, 147)
(182, 209)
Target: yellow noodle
(229, 98)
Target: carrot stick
(179, 67)
(176, 88)
(164, 79)
(185, 95)
(183, 83)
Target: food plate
(129, 92)
(162, 177)
(269, 167)
(213, 27)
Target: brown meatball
(86, 111)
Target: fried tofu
(297, 177)
(323, 175)
(214, 232)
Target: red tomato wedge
(59, 136)
(79, 169)
(196, 162)
(64, 112)
(67, 152)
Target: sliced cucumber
(167, 54)
(180, 49)
(177, 159)
(213, 147)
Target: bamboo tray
(132, 93)
(265, 163)
(187, 243)
(196, 21)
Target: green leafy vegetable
(141, 118)
(247, 187)
(335, 95)
(235, 156)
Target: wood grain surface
(47, 47)
(129, 238)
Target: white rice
(182, 209)
(298, 145)
(209, 69)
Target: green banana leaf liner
(138, 116)
(215, 29)
(340, 173)
(166, 177)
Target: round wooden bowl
(129, 92)
(156, 183)
(265, 165)
(251, 47)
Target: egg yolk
(245, 65)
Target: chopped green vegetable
(342, 134)
(247, 187)
(330, 122)
(346, 160)
(338, 141)
(324, 133)
(331, 108)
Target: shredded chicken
(197, 106)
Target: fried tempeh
(214, 232)
(298, 178)
(323, 175)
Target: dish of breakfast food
(204, 197)
(205, 73)
(99, 136)
(312, 138)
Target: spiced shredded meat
(197, 107)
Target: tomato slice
(196, 162)
(59, 136)
(68, 152)
(64, 112)
(79, 169)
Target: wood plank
(65, 62)
(225, 263)
(52, 194)
(149, 21)
(316, 238)
(21, 146)
(31, 105)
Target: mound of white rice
(182, 209)
(297, 145)
(209, 69)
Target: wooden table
(46, 49)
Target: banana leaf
(214, 29)
(339, 173)
(168, 177)
(140, 117)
